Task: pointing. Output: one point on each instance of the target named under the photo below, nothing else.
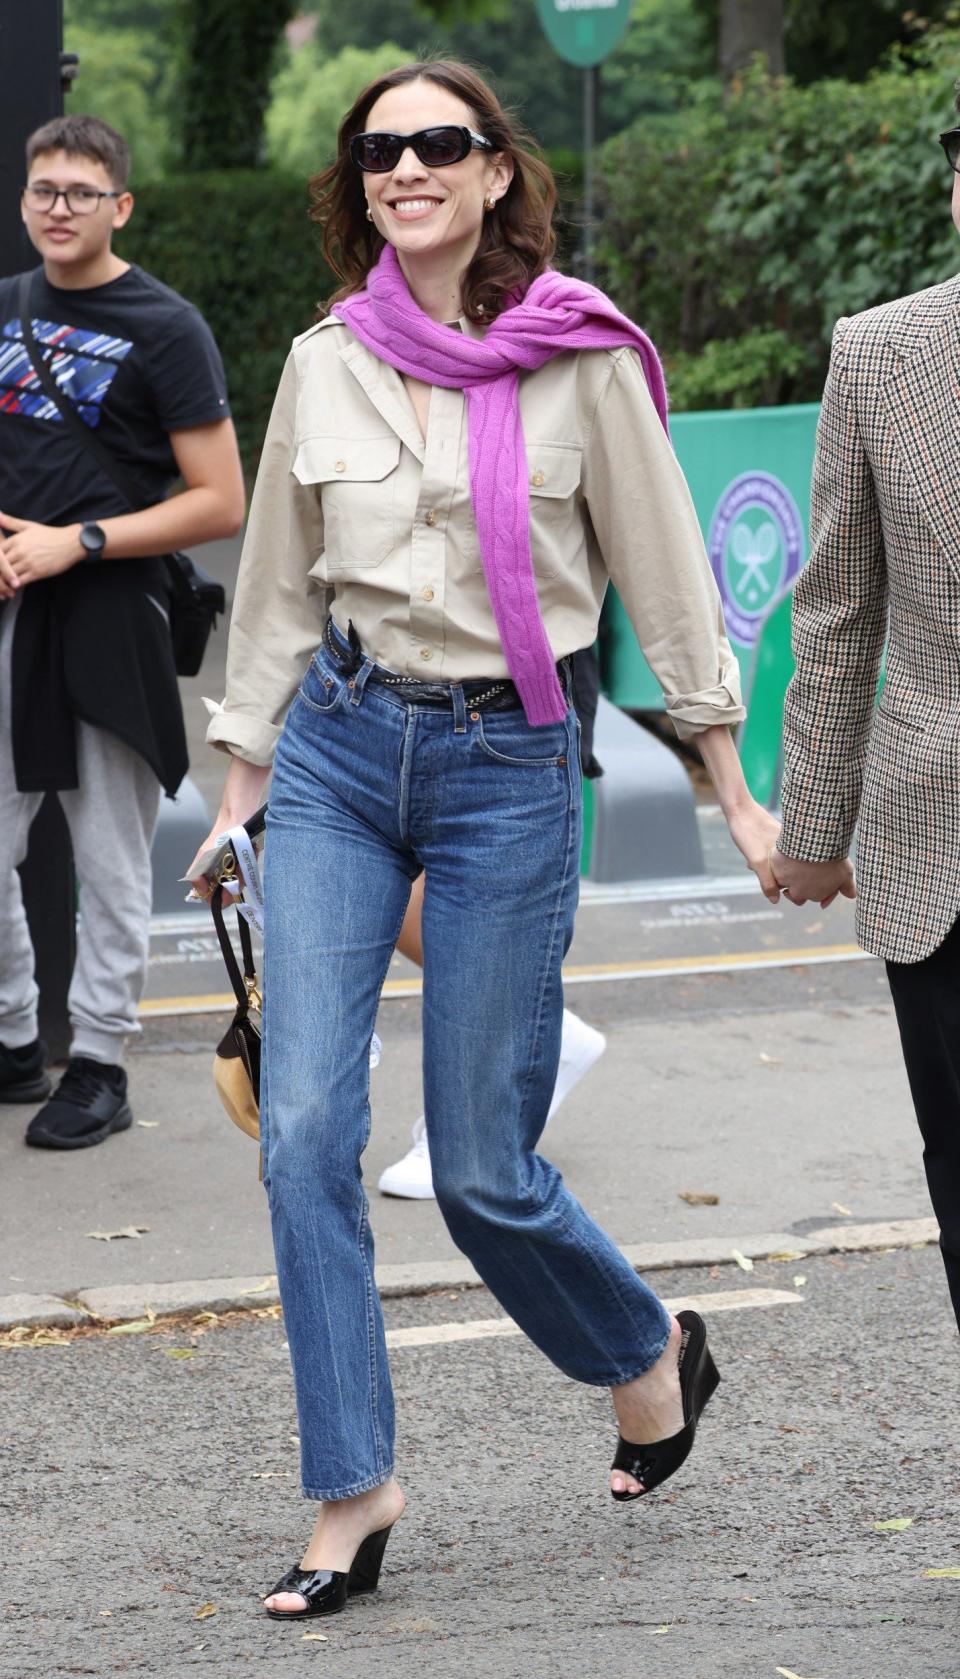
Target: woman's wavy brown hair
(517, 238)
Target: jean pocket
(507, 738)
(320, 689)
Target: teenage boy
(89, 704)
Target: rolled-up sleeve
(278, 610)
(651, 543)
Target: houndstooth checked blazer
(885, 551)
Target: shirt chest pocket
(356, 480)
(556, 515)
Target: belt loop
(459, 708)
(359, 682)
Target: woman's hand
(754, 833)
(242, 795)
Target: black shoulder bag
(196, 599)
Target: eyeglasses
(80, 201)
(435, 147)
(950, 141)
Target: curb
(130, 1301)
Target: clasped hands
(30, 551)
(755, 833)
(813, 882)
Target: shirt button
(339, 466)
(538, 480)
(427, 594)
(431, 518)
(425, 653)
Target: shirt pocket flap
(338, 460)
(554, 469)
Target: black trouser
(926, 996)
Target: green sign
(749, 475)
(584, 32)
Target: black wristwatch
(92, 540)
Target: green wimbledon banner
(584, 31)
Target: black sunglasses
(435, 147)
(950, 141)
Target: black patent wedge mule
(699, 1377)
(326, 1590)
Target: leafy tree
(229, 49)
(774, 213)
(126, 74)
(310, 96)
(846, 38)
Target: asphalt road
(143, 1490)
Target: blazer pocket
(356, 479)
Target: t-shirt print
(83, 363)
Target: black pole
(591, 83)
(31, 45)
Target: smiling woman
(495, 200)
(459, 397)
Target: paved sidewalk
(153, 1481)
(781, 1093)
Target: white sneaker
(580, 1046)
(411, 1177)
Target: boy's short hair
(83, 137)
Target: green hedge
(237, 244)
(737, 231)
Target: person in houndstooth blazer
(885, 566)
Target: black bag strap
(241, 991)
(84, 434)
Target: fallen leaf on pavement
(898, 1525)
(656, 1632)
(941, 1574)
(699, 1198)
(788, 1673)
(799, 1282)
(769, 1060)
(148, 1124)
(179, 1352)
(741, 1259)
(131, 1230)
(271, 1474)
(137, 1327)
(315, 1638)
(261, 1288)
(782, 1258)
(205, 1610)
(847, 1212)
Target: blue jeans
(369, 788)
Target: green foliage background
(238, 244)
(738, 233)
(735, 230)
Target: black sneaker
(22, 1075)
(89, 1102)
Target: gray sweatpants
(111, 817)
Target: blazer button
(431, 517)
(538, 480)
(427, 594)
(425, 653)
(339, 466)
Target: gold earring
(369, 214)
(490, 203)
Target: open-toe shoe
(654, 1463)
(326, 1590)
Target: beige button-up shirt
(355, 512)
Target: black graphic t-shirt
(138, 362)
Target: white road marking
(485, 1329)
